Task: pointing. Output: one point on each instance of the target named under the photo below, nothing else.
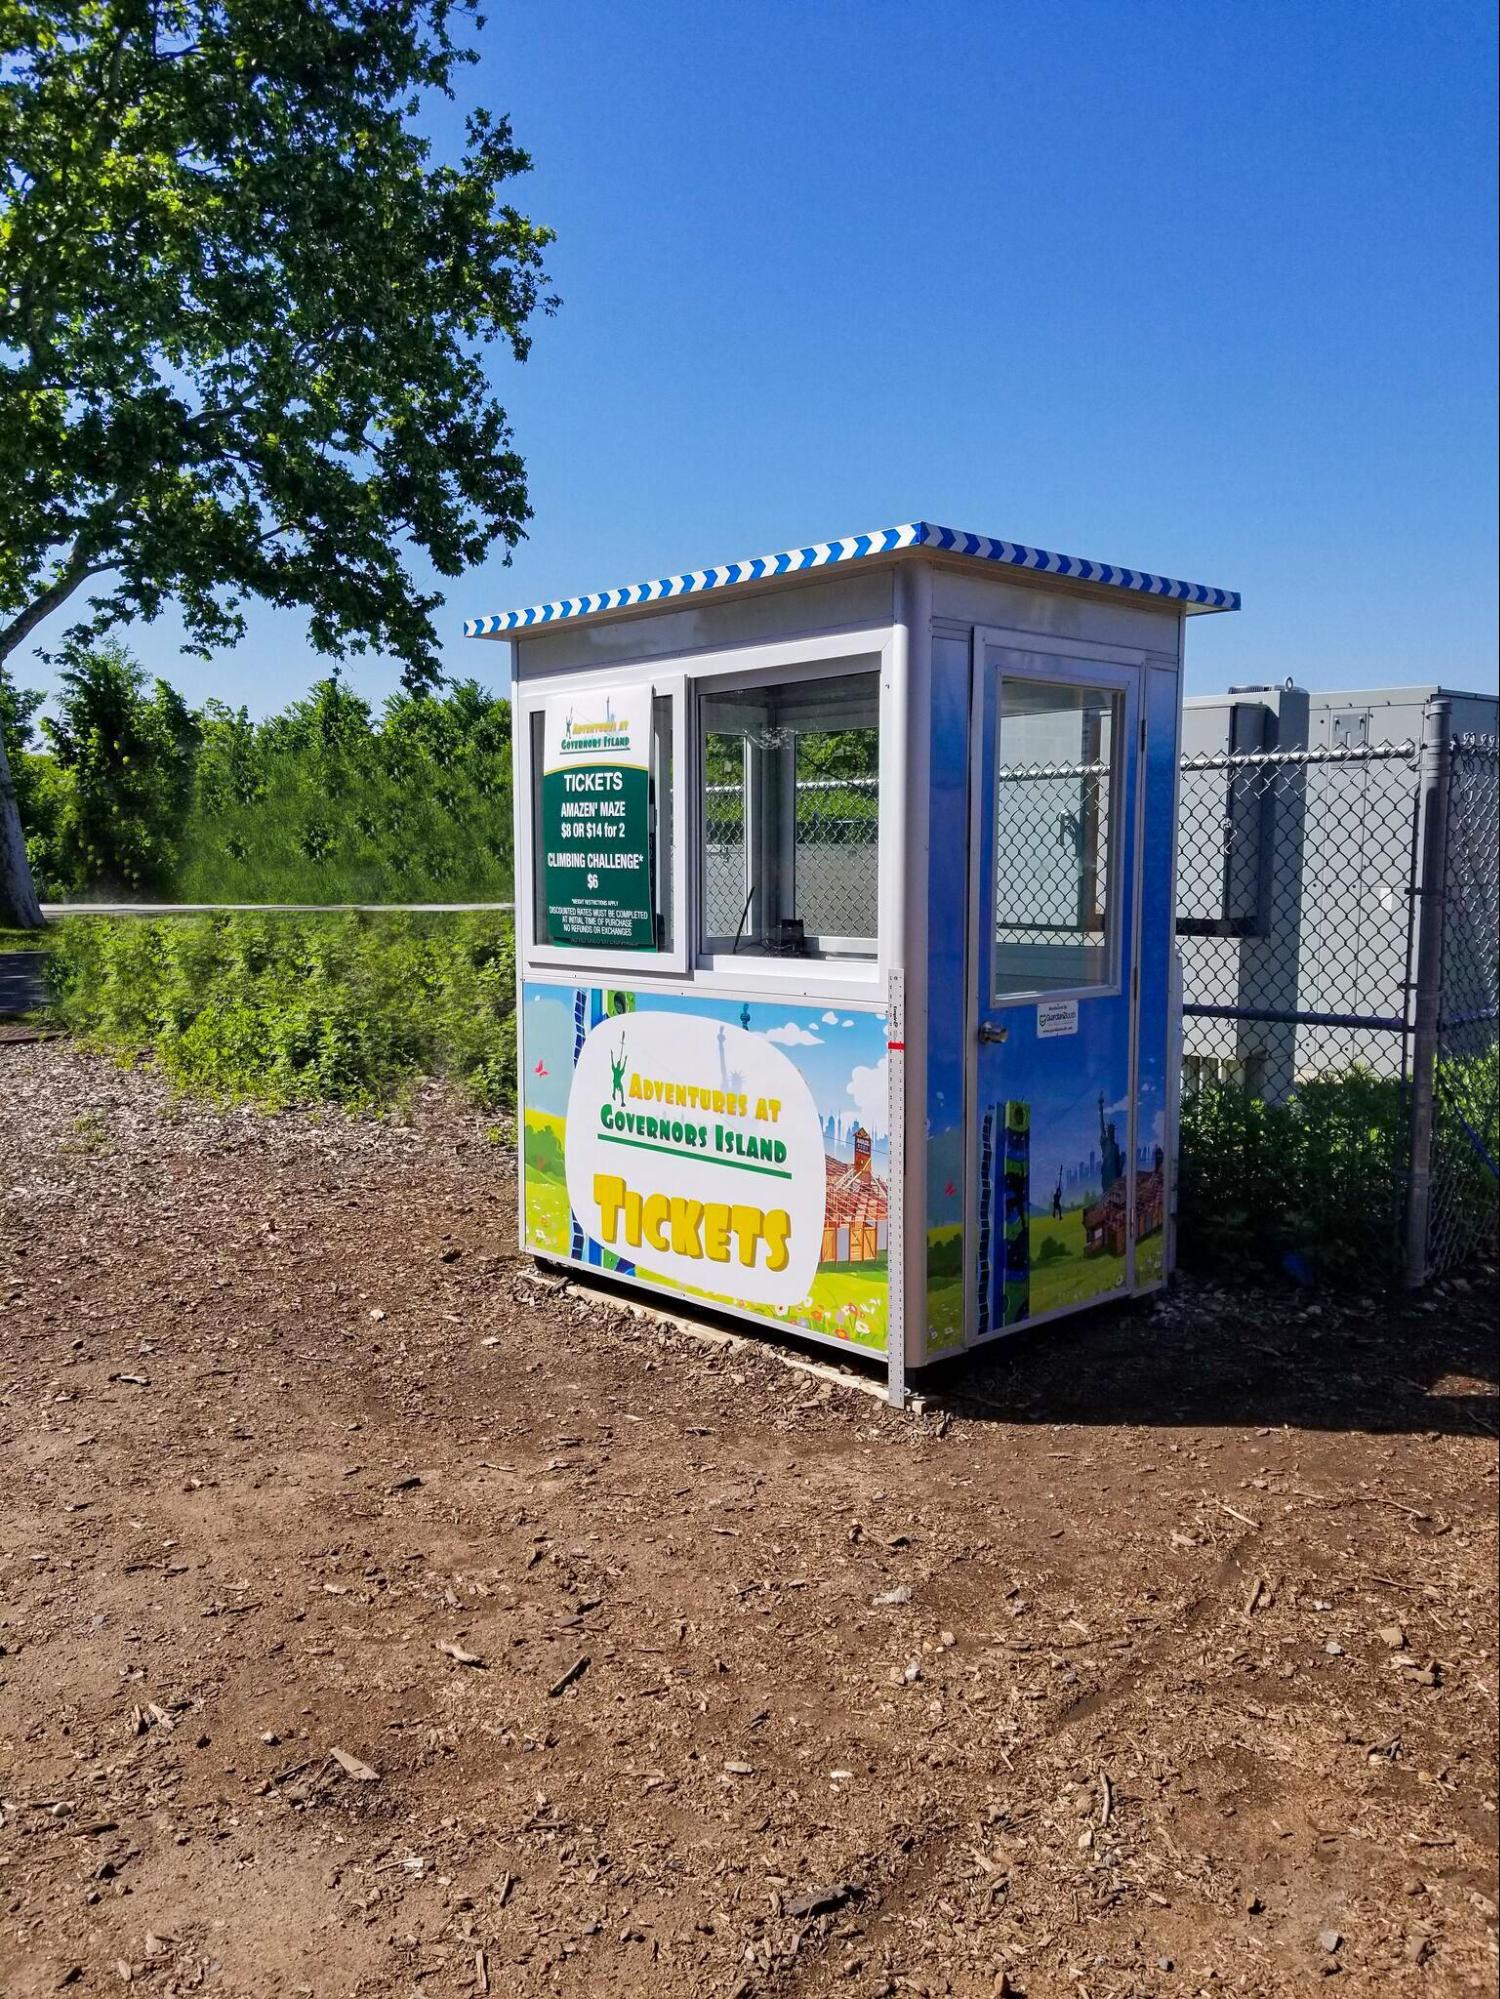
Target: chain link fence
(1339, 1020)
(1053, 823)
(828, 872)
(1461, 1218)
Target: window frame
(680, 675)
(829, 657)
(1000, 659)
(530, 703)
(861, 950)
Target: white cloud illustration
(870, 1089)
(830, 1020)
(793, 1036)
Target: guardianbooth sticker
(596, 820)
(715, 1148)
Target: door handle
(988, 1031)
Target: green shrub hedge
(298, 1009)
(1318, 1183)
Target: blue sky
(1208, 291)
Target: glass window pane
(791, 776)
(725, 894)
(1055, 768)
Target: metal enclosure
(845, 892)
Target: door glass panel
(1056, 795)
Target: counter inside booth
(844, 932)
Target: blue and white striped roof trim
(857, 548)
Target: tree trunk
(18, 904)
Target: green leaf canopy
(243, 315)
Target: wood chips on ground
(376, 1619)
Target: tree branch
(75, 571)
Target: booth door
(1054, 919)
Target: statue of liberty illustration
(1111, 1158)
(729, 1081)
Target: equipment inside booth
(791, 809)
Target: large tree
(243, 308)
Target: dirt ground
(376, 1620)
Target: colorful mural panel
(715, 1149)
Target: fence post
(1430, 890)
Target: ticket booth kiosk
(844, 916)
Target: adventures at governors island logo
(592, 734)
(694, 1149)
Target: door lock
(988, 1031)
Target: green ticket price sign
(596, 820)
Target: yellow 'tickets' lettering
(687, 1220)
(609, 1193)
(778, 1232)
(654, 1212)
(673, 1224)
(746, 1223)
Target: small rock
(351, 1766)
(1331, 1941)
(888, 1597)
(1334, 1649)
(818, 1900)
(1392, 1637)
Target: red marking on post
(899, 1046)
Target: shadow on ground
(1203, 1355)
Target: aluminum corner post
(904, 923)
(895, 1044)
(1427, 999)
